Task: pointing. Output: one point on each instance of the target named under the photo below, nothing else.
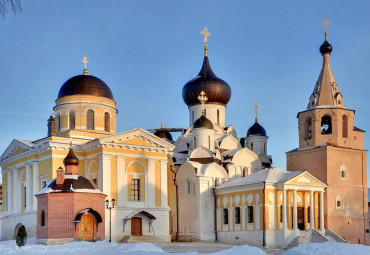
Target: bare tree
(10, 5)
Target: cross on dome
(84, 60)
(256, 107)
(202, 99)
(326, 23)
(206, 35)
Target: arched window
(326, 128)
(42, 220)
(90, 120)
(252, 146)
(218, 117)
(188, 186)
(192, 117)
(308, 129)
(339, 202)
(107, 122)
(58, 122)
(343, 172)
(217, 182)
(195, 142)
(72, 120)
(345, 126)
(244, 171)
(209, 142)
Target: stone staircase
(140, 239)
(314, 236)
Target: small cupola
(71, 162)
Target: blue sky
(268, 51)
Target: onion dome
(203, 122)
(256, 129)
(85, 85)
(71, 159)
(216, 89)
(326, 47)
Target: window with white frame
(237, 215)
(250, 214)
(24, 196)
(135, 189)
(339, 202)
(343, 170)
(226, 215)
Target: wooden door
(86, 228)
(300, 218)
(136, 227)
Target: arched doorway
(86, 227)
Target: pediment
(137, 138)
(305, 178)
(16, 147)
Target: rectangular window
(237, 215)
(43, 183)
(95, 181)
(226, 216)
(281, 213)
(24, 196)
(135, 189)
(6, 201)
(250, 214)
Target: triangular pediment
(16, 147)
(305, 178)
(138, 138)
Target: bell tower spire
(326, 92)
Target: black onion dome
(72, 184)
(256, 129)
(215, 89)
(326, 48)
(203, 122)
(164, 134)
(85, 85)
(71, 159)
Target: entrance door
(300, 218)
(86, 227)
(136, 226)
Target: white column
(321, 210)
(151, 182)
(10, 191)
(164, 202)
(231, 218)
(312, 205)
(285, 224)
(35, 184)
(105, 174)
(295, 220)
(121, 185)
(16, 192)
(243, 217)
(28, 188)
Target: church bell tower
(332, 149)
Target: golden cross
(202, 99)
(256, 107)
(326, 23)
(206, 35)
(84, 60)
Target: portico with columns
(269, 208)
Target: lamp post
(110, 216)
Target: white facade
(213, 111)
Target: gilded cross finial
(84, 60)
(326, 24)
(203, 99)
(256, 107)
(206, 35)
(162, 126)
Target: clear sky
(147, 50)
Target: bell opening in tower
(326, 127)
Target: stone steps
(140, 239)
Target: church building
(130, 167)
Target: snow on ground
(329, 248)
(104, 248)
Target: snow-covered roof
(269, 175)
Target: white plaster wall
(258, 144)
(160, 225)
(204, 137)
(9, 223)
(241, 237)
(207, 212)
(211, 113)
